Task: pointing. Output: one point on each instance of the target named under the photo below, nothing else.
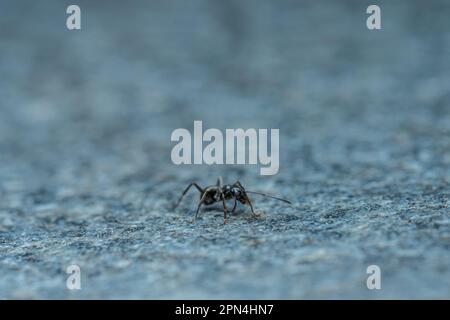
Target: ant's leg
(224, 210)
(199, 206)
(235, 204)
(198, 209)
(251, 207)
(186, 190)
(219, 182)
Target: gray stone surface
(85, 170)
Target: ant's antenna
(269, 196)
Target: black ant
(221, 192)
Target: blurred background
(86, 176)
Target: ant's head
(239, 193)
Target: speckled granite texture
(85, 169)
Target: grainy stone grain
(85, 170)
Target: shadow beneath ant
(218, 209)
(239, 214)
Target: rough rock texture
(85, 169)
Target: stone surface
(85, 170)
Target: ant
(221, 192)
